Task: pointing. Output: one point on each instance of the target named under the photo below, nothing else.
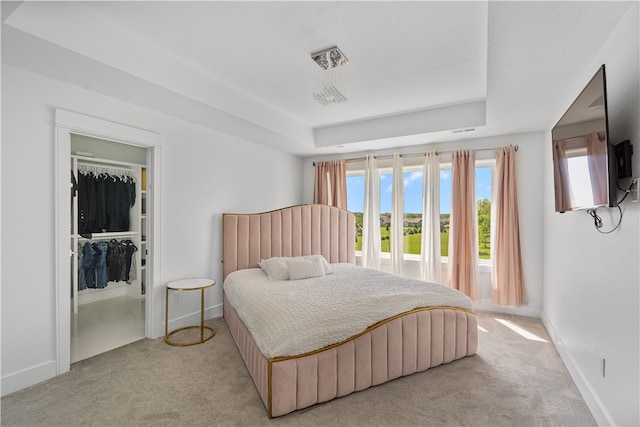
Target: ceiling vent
(463, 130)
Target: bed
(290, 377)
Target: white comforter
(292, 317)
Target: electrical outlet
(603, 366)
(176, 297)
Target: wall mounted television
(583, 160)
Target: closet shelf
(98, 236)
(97, 160)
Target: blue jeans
(88, 265)
(82, 283)
(101, 265)
(94, 265)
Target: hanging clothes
(94, 257)
(104, 202)
(129, 250)
(101, 262)
(82, 283)
(115, 260)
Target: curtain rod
(388, 156)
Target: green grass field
(412, 244)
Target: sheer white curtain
(397, 217)
(371, 215)
(430, 246)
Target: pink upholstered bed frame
(405, 344)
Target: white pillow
(305, 267)
(276, 268)
(325, 264)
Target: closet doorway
(145, 297)
(108, 241)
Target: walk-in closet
(108, 241)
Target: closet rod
(85, 159)
(114, 170)
(389, 156)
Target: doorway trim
(67, 123)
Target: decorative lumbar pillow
(275, 268)
(305, 267)
(325, 264)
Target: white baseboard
(36, 374)
(601, 415)
(213, 312)
(193, 318)
(27, 377)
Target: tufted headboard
(292, 231)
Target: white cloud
(445, 174)
(412, 177)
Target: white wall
(529, 162)
(205, 173)
(591, 300)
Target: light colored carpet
(512, 381)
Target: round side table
(188, 285)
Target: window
(413, 207)
(483, 193)
(386, 191)
(412, 210)
(484, 170)
(355, 202)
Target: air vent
(463, 130)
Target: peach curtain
(561, 176)
(597, 161)
(507, 278)
(463, 230)
(331, 184)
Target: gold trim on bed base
(354, 337)
(454, 342)
(269, 389)
(369, 329)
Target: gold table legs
(202, 326)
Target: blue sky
(413, 190)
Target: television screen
(582, 176)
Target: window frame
(485, 265)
